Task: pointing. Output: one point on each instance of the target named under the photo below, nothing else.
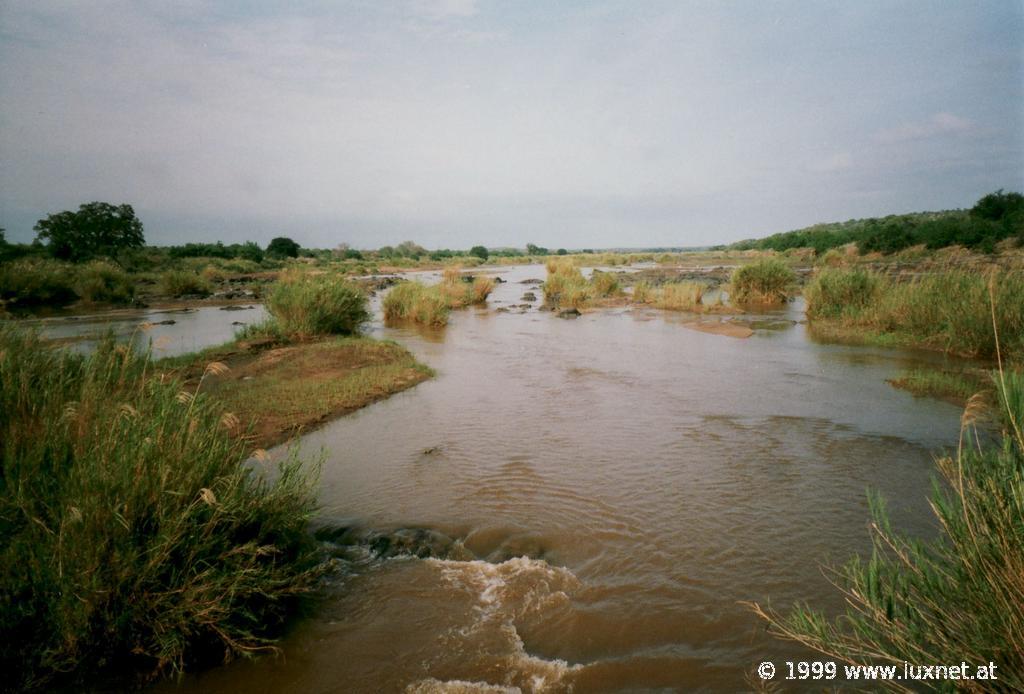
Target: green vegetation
(183, 283)
(955, 386)
(834, 293)
(994, 217)
(305, 305)
(132, 536)
(101, 281)
(282, 247)
(565, 285)
(953, 599)
(430, 305)
(605, 284)
(949, 309)
(97, 229)
(767, 281)
(480, 252)
(36, 282)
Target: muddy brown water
(612, 487)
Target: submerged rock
(528, 296)
(569, 313)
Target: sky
(461, 122)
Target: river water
(613, 487)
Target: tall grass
(946, 309)
(605, 284)
(416, 302)
(565, 285)
(100, 281)
(183, 282)
(954, 599)
(306, 305)
(132, 536)
(768, 281)
(36, 282)
(680, 296)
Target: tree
(97, 229)
(995, 206)
(535, 250)
(562, 251)
(480, 252)
(282, 247)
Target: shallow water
(614, 486)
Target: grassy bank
(132, 538)
(951, 600)
(956, 387)
(285, 389)
(431, 304)
(952, 310)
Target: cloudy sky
(457, 122)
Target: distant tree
(535, 250)
(410, 249)
(250, 250)
(562, 251)
(386, 252)
(282, 247)
(480, 252)
(998, 205)
(97, 229)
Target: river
(612, 487)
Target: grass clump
(305, 305)
(833, 292)
(565, 285)
(768, 281)
(458, 290)
(417, 302)
(643, 292)
(132, 536)
(680, 296)
(953, 310)
(956, 598)
(101, 281)
(958, 387)
(605, 284)
(182, 283)
(36, 282)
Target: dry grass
(680, 296)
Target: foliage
(183, 283)
(100, 281)
(531, 249)
(605, 284)
(305, 304)
(132, 536)
(953, 599)
(480, 252)
(282, 247)
(245, 251)
(565, 285)
(97, 229)
(416, 302)
(766, 281)
(36, 282)
(834, 292)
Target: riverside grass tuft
(133, 536)
(953, 599)
(768, 281)
(950, 309)
(431, 304)
(307, 305)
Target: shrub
(643, 292)
(766, 281)
(680, 296)
(36, 282)
(481, 289)
(417, 302)
(305, 305)
(101, 281)
(182, 282)
(605, 284)
(833, 292)
(565, 284)
(953, 599)
(132, 536)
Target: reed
(605, 284)
(132, 536)
(953, 599)
(834, 292)
(643, 292)
(306, 305)
(100, 281)
(680, 296)
(416, 302)
(767, 281)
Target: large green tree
(282, 247)
(97, 229)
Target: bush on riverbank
(416, 302)
(103, 282)
(767, 281)
(132, 536)
(949, 309)
(36, 282)
(183, 283)
(305, 305)
(950, 600)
